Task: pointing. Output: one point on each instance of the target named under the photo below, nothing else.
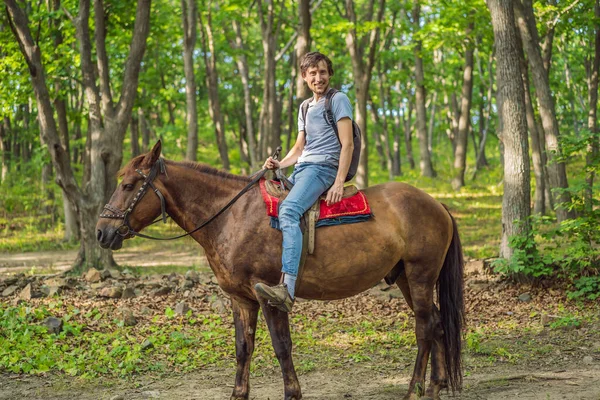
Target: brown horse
(412, 241)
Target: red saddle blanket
(355, 205)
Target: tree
(513, 128)
(464, 121)
(362, 52)
(557, 173)
(188, 16)
(425, 161)
(107, 121)
(212, 82)
(592, 147)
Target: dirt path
(494, 383)
(61, 260)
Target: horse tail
(452, 308)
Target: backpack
(330, 119)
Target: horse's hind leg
(418, 293)
(279, 328)
(244, 317)
(439, 377)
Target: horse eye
(128, 186)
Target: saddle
(309, 220)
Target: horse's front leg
(279, 328)
(244, 318)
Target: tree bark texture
(511, 111)
(188, 15)
(242, 64)
(212, 82)
(539, 202)
(134, 130)
(591, 159)
(425, 156)
(556, 170)
(362, 52)
(464, 121)
(303, 44)
(269, 114)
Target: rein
(125, 228)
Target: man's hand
(334, 194)
(271, 164)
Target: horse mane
(204, 168)
(207, 169)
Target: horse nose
(99, 235)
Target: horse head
(130, 209)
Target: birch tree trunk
(188, 15)
(513, 126)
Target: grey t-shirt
(322, 145)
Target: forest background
(497, 119)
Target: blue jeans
(310, 181)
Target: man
(321, 163)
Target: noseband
(116, 213)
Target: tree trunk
(376, 136)
(212, 82)
(4, 149)
(384, 133)
(406, 119)
(143, 123)
(292, 110)
(484, 113)
(302, 47)
(242, 64)
(134, 130)
(425, 157)
(539, 202)
(188, 16)
(361, 71)
(592, 148)
(396, 161)
(556, 169)
(513, 126)
(269, 114)
(460, 153)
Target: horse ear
(153, 155)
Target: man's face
(317, 78)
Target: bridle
(125, 228)
(159, 167)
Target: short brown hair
(312, 60)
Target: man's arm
(292, 156)
(334, 194)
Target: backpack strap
(304, 110)
(328, 113)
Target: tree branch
(552, 24)
(102, 58)
(295, 35)
(141, 28)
